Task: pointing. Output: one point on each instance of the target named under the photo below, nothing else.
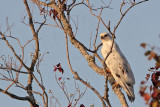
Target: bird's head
(105, 37)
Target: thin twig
(61, 86)
(12, 49)
(13, 95)
(9, 68)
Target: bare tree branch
(12, 49)
(14, 96)
(9, 68)
(62, 21)
(77, 76)
(35, 57)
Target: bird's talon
(108, 70)
(115, 85)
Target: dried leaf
(143, 45)
(142, 90)
(157, 65)
(158, 73)
(152, 68)
(152, 55)
(142, 82)
(154, 104)
(147, 77)
(55, 68)
(151, 88)
(59, 78)
(158, 83)
(60, 70)
(154, 79)
(154, 94)
(146, 97)
(58, 65)
(147, 53)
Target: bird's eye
(128, 84)
(105, 35)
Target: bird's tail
(130, 92)
(131, 98)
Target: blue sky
(141, 24)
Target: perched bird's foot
(108, 71)
(115, 85)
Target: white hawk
(118, 65)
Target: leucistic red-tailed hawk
(118, 65)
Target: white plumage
(118, 65)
